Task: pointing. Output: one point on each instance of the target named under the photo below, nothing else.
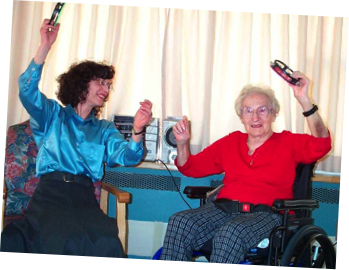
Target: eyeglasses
(262, 112)
(109, 85)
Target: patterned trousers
(233, 234)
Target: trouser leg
(189, 230)
(232, 240)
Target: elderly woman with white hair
(259, 167)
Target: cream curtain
(191, 62)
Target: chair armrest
(4, 192)
(293, 204)
(197, 192)
(122, 198)
(121, 195)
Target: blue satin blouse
(68, 143)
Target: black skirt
(63, 218)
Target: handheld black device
(56, 13)
(284, 72)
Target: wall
(155, 198)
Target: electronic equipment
(124, 124)
(152, 140)
(56, 13)
(151, 137)
(169, 144)
(284, 72)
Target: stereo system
(151, 137)
(124, 124)
(152, 140)
(168, 145)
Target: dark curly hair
(73, 84)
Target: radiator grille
(142, 181)
(326, 195)
(216, 183)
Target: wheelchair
(297, 242)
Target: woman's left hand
(315, 122)
(301, 91)
(143, 115)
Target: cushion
(20, 169)
(20, 173)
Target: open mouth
(102, 96)
(256, 126)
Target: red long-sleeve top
(272, 173)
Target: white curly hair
(260, 90)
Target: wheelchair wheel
(309, 247)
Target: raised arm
(181, 132)
(141, 119)
(48, 34)
(36, 103)
(301, 93)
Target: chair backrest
(20, 169)
(302, 186)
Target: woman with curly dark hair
(73, 85)
(64, 216)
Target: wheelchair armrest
(197, 192)
(293, 204)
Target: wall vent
(142, 181)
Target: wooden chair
(21, 181)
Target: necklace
(258, 149)
(253, 158)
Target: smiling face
(255, 125)
(98, 92)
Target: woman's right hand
(181, 131)
(48, 34)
